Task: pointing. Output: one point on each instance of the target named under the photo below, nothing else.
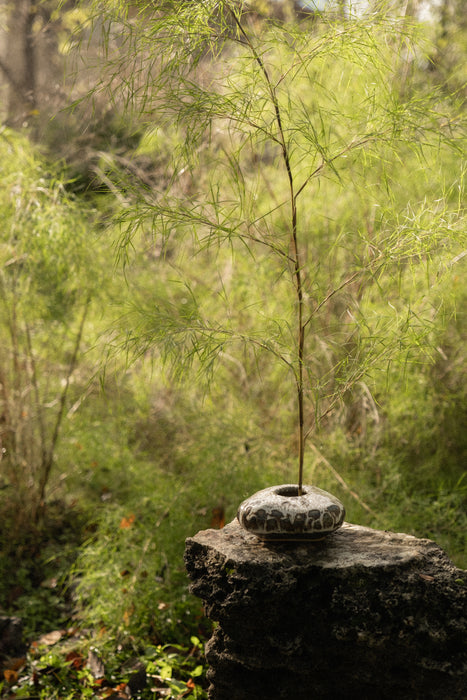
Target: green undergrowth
(143, 468)
(70, 664)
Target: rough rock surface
(362, 614)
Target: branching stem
(295, 256)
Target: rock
(11, 636)
(95, 664)
(362, 614)
(137, 681)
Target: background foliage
(146, 299)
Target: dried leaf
(119, 692)
(126, 617)
(10, 675)
(127, 522)
(75, 659)
(50, 583)
(426, 577)
(51, 637)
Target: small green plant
(276, 126)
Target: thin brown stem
(334, 291)
(355, 143)
(38, 404)
(296, 258)
(48, 459)
(341, 481)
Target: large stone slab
(363, 613)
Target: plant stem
(48, 455)
(296, 259)
(301, 351)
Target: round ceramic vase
(279, 513)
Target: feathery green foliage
(279, 127)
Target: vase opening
(289, 491)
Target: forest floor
(58, 657)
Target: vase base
(277, 537)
